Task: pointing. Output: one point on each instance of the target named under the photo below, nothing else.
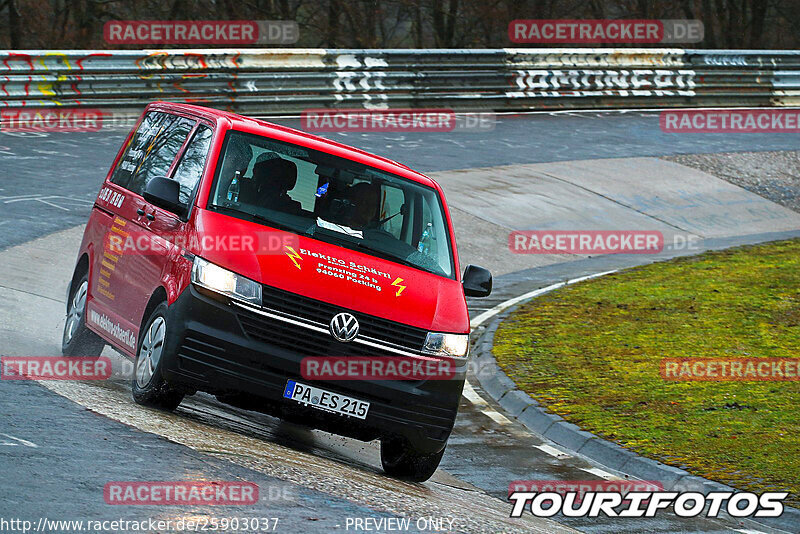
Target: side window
(190, 169)
(393, 201)
(134, 153)
(152, 150)
(433, 240)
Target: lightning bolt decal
(294, 256)
(400, 287)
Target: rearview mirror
(477, 281)
(164, 193)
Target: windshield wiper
(343, 238)
(388, 256)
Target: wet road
(329, 478)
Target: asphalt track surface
(310, 480)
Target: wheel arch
(158, 296)
(81, 268)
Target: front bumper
(208, 349)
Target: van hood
(330, 273)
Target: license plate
(325, 400)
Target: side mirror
(164, 193)
(477, 281)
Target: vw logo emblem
(344, 327)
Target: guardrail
(290, 80)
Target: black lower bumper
(208, 349)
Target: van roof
(262, 127)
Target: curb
(538, 420)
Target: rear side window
(152, 150)
(190, 169)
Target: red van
(223, 252)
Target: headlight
(215, 278)
(450, 345)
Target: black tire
(148, 386)
(400, 460)
(77, 339)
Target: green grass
(591, 353)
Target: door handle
(140, 212)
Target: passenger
(365, 215)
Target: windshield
(332, 199)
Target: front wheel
(148, 385)
(401, 460)
(77, 339)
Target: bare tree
(395, 23)
(13, 23)
(444, 16)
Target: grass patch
(591, 353)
